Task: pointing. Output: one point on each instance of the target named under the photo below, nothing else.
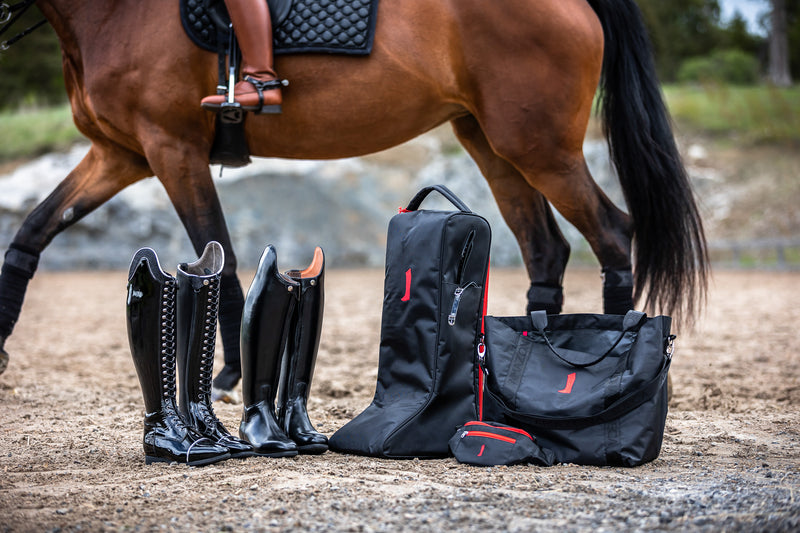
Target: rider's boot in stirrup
(301, 352)
(197, 307)
(270, 299)
(151, 333)
(260, 88)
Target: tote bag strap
(622, 406)
(632, 322)
(415, 202)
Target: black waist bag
(436, 269)
(591, 388)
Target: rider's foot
(257, 93)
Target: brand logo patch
(407, 296)
(570, 383)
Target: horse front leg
(102, 173)
(187, 180)
(544, 249)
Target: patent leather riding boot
(270, 299)
(151, 333)
(301, 354)
(197, 308)
(260, 88)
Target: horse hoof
(227, 396)
(3, 360)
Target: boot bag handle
(632, 322)
(413, 205)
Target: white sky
(750, 10)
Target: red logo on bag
(570, 383)
(407, 296)
(483, 447)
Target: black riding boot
(151, 333)
(198, 303)
(301, 353)
(270, 299)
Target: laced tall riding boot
(301, 353)
(260, 89)
(151, 333)
(197, 307)
(270, 299)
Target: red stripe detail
(513, 430)
(480, 393)
(401, 210)
(483, 447)
(491, 436)
(570, 383)
(407, 296)
(485, 295)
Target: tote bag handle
(632, 322)
(415, 202)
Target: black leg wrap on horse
(617, 291)
(545, 297)
(230, 324)
(18, 269)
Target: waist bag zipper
(488, 436)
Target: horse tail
(670, 254)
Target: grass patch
(759, 114)
(33, 132)
(752, 115)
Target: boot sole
(276, 454)
(313, 449)
(149, 459)
(242, 455)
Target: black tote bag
(592, 388)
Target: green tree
(680, 29)
(736, 36)
(30, 70)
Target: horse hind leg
(565, 180)
(544, 249)
(551, 162)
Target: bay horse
(516, 79)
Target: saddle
(299, 26)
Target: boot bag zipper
(451, 318)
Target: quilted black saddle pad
(299, 26)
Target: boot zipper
(451, 318)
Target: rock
(342, 205)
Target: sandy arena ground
(72, 457)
